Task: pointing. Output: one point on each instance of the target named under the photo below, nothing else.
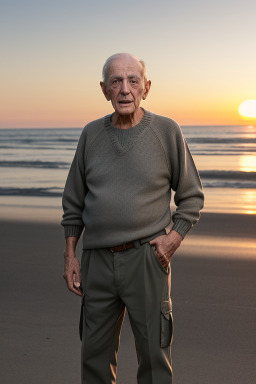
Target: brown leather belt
(122, 247)
(136, 243)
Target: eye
(115, 81)
(134, 83)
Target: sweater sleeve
(74, 194)
(186, 183)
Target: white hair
(108, 62)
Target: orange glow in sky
(53, 53)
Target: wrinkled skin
(72, 267)
(166, 245)
(125, 87)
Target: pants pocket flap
(166, 308)
(166, 323)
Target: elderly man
(118, 191)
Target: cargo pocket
(166, 323)
(81, 321)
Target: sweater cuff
(73, 230)
(182, 227)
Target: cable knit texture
(120, 181)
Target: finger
(165, 259)
(77, 276)
(157, 239)
(162, 260)
(165, 263)
(76, 279)
(75, 290)
(160, 257)
(66, 277)
(69, 280)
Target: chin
(125, 111)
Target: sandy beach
(213, 292)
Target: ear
(146, 90)
(104, 90)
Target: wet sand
(214, 306)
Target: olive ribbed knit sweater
(119, 184)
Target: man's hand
(72, 267)
(166, 245)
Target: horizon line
(182, 125)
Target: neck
(127, 121)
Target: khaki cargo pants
(136, 281)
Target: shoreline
(218, 201)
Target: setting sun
(248, 109)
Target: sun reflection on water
(249, 201)
(247, 163)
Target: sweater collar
(123, 139)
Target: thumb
(76, 279)
(152, 242)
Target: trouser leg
(147, 299)
(103, 318)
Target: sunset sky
(200, 56)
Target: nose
(125, 88)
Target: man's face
(125, 85)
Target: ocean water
(34, 164)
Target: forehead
(125, 67)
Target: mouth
(125, 102)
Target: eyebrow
(121, 78)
